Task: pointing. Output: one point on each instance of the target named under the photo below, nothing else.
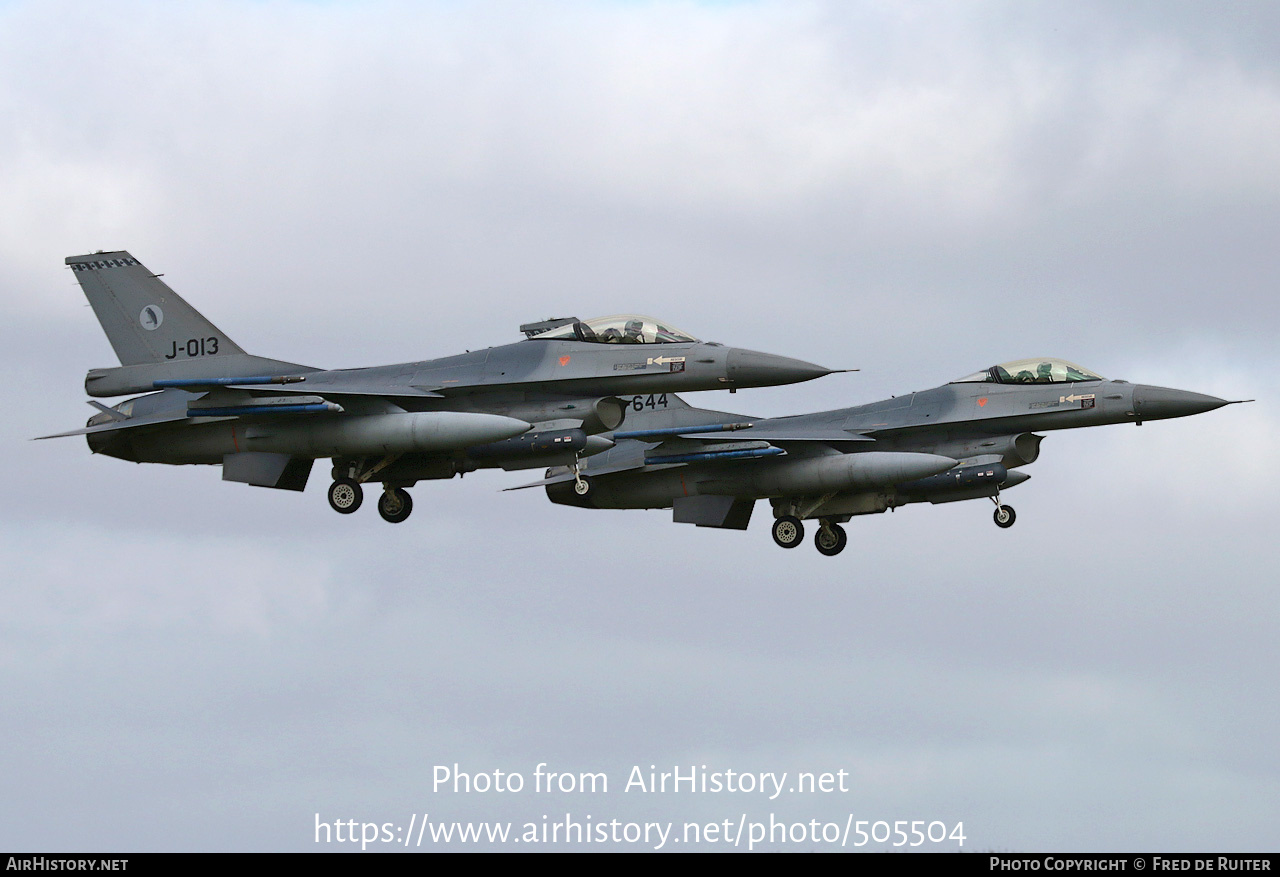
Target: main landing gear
(346, 493)
(395, 505)
(830, 539)
(788, 532)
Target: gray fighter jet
(542, 401)
(963, 440)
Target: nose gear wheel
(1005, 516)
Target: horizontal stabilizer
(130, 423)
(542, 482)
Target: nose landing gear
(581, 484)
(1004, 515)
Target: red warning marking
(564, 360)
(982, 401)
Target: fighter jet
(963, 440)
(541, 401)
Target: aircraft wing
(747, 431)
(219, 401)
(372, 389)
(622, 458)
(677, 450)
(567, 475)
(782, 435)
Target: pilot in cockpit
(1033, 371)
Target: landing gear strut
(830, 539)
(346, 493)
(395, 504)
(1005, 515)
(581, 484)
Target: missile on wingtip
(242, 410)
(744, 454)
(680, 430)
(185, 383)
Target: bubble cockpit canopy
(617, 329)
(1032, 371)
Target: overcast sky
(915, 190)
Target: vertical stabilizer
(145, 320)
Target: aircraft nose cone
(750, 368)
(1158, 403)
